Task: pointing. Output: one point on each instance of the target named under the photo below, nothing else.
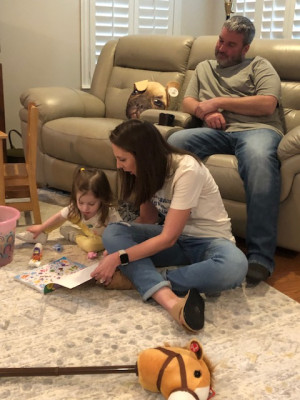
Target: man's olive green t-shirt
(251, 77)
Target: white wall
(202, 17)
(40, 46)
(40, 43)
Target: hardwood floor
(286, 276)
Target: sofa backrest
(283, 54)
(103, 70)
(203, 49)
(134, 58)
(173, 58)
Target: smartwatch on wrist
(124, 259)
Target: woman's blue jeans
(259, 168)
(207, 264)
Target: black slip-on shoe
(193, 311)
(256, 273)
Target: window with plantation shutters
(273, 19)
(103, 20)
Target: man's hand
(215, 120)
(206, 107)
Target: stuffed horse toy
(178, 373)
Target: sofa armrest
(181, 119)
(61, 102)
(289, 144)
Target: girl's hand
(35, 230)
(106, 268)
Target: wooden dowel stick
(55, 371)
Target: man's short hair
(241, 24)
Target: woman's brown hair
(152, 155)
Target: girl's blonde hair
(91, 180)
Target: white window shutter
(246, 8)
(296, 21)
(113, 19)
(154, 17)
(103, 20)
(273, 19)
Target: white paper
(72, 280)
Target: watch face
(124, 258)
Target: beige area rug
(251, 335)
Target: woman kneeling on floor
(195, 235)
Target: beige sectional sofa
(74, 125)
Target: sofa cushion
(223, 167)
(82, 141)
(291, 104)
(283, 54)
(54, 168)
(141, 52)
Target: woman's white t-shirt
(192, 186)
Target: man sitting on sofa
(238, 100)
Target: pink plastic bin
(8, 222)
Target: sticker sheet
(47, 277)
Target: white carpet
(251, 335)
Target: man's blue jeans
(207, 264)
(259, 168)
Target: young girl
(196, 233)
(90, 209)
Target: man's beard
(228, 61)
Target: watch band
(124, 259)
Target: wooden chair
(18, 180)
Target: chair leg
(35, 203)
(2, 190)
